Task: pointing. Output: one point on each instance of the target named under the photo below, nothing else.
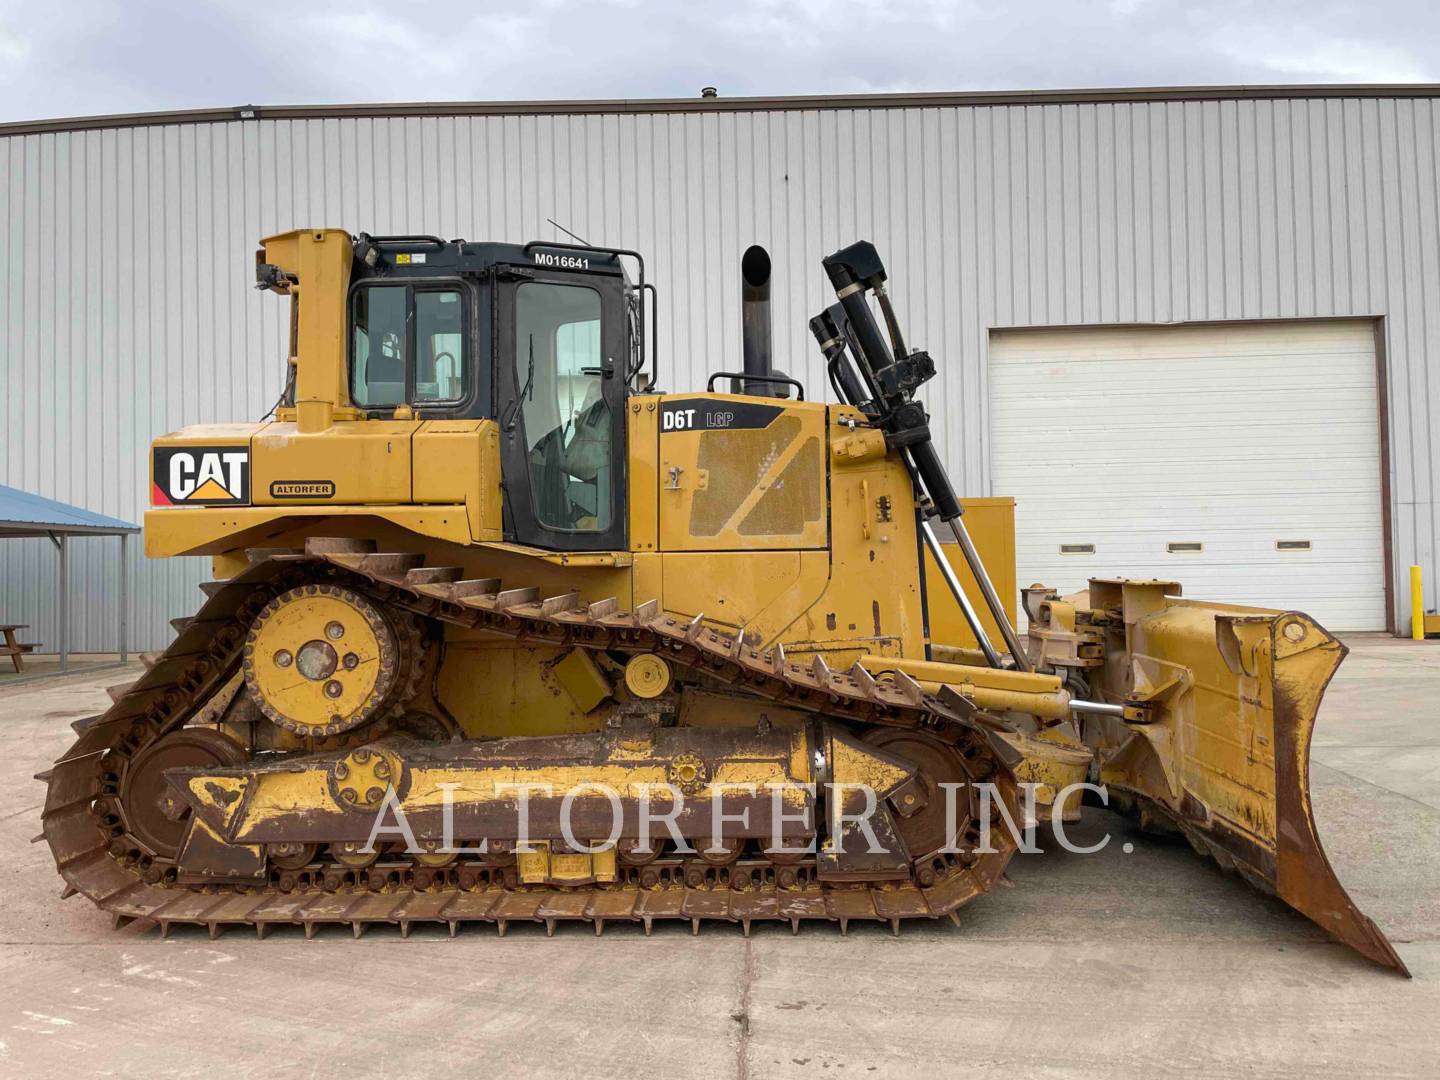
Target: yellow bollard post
(1417, 605)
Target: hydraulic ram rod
(1104, 708)
(992, 598)
(958, 591)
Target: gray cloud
(92, 57)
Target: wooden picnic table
(16, 649)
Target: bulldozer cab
(545, 340)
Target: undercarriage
(181, 805)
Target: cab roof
(381, 256)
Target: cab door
(560, 403)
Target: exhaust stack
(755, 324)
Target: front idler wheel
(154, 811)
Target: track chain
(98, 857)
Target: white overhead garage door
(1241, 460)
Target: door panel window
(560, 369)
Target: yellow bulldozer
(500, 633)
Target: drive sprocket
(322, 659)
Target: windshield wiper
(527, 392)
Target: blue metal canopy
(24, 514)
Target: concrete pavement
(1113, 964)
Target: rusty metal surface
(486, 774)
(1304, 878)
(100, 858)
(149, 803)
(1219, 749)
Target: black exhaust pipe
(755, 324)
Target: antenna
(567, 232)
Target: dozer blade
(1229, 697)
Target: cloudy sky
(79, 57)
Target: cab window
(559, 367)
(438, 351)
(378, 371)
(407, 346)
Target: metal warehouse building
(1192, 331)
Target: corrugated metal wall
(125, 287)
